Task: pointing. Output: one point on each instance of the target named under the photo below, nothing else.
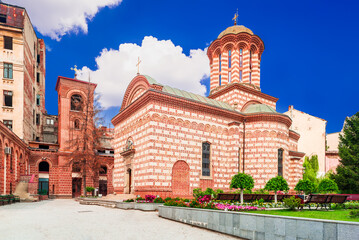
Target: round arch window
(44, 166)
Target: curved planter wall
(260, 226)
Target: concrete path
(67, 219)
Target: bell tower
(235, 58)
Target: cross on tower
(75, 69)
(138, 66)
(235, 17)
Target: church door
(180, 179)
(102, 189)
(76, 187)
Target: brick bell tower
(235, 58)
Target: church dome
(235, 30)
(257, 108)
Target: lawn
(340, 215)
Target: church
(168, 141)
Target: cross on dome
(235, 18)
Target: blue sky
(310, 58)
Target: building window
(8, 123)
(2, 18)
(280, 162)
(240, 57)
(250, 77)
(229, 59)
(37, 119)
(76, 102)
(250, 60)
(220, 80)
(77, 124)
(38, 77)
(49, 121)
(206, 154)
(7, 98)
(103, 170)
(7, 42)
(240, 75)
(33, 117)
(8, 70)
(38, 58)
(229, 76)
(220, 62)
(38, 97)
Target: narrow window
(240, 58)
(229, 76)
(37, 119)
(38, 58)
(220, 80)
(38, 77)
(229, 59)
(8, 123)
(250, 59)
(250, 77)
(49, 121)
(7, 42)
(77, 124)
(240, 75)
(8, 70)
(38, 98)
(280, 162)
(11, 158)
(7, 98)
(76, 102)
(33, 117)
(220, 63)
(206, 149)
(2, 18)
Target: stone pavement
(67, 220)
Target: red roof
(72, 79)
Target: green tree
(311, 167)
(347, 176)
(242, 181)
(276, 184)
(305, 186)
(327, 186)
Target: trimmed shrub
(292, 203)
(305, 186)
(327, 186)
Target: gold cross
(235, 17)
(75, 69)
(138, 66)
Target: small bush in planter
(129, 200)
(139, 199)
(168, 199)
(158, 200)
(89, 189)
(292, 203)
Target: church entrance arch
(180, 179)
(44, 169)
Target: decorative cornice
(128, 152)
(294, 135)
(244, 88)
(296, 154)
(154, 95)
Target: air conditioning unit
(7, 150)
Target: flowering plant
(204, 199)
(229, 207)
(150, 198)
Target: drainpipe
(244, 142)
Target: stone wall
(260, 226)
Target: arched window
(229, 66)
(206, 155)
(220, 69)
(76, 168)
(11, 158)
(240, 57)
(77, 124)
(44, 166)
(76, 102)
(280, 162)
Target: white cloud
(55, 18)
(161, 60)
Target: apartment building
(22, 69)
